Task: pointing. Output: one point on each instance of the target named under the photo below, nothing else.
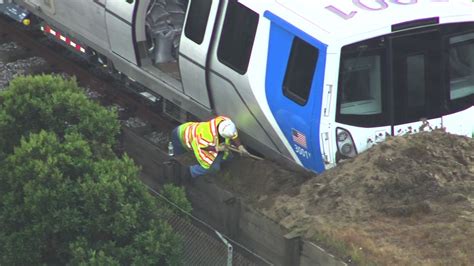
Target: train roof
(337, 20)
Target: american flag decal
(299, 138)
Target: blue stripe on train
(296, 122)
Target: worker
(209, 141)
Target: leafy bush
(177, 195)
(59, 204)
(52, 103)
(65, 198)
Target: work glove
(222, 147)
(243, 151)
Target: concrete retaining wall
(227, 213)
(311, 254)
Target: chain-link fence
(204, 245)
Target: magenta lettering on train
(374, 5)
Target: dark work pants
(196, 170)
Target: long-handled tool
(232, 148)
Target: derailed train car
(313, 82)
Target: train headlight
(342, 136)
(345, 144)
(346, 149)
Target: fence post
(229, 248)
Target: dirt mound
(257, 181)
(408, 200)
(400, 177)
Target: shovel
(234, 149)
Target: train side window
(300, 71)
(237, 36)
(461, 71)
(196, 23)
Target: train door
(194, 47)
(294, 84)
(417, 84)
(230, 71)
(119, 21)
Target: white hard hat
(227, 129)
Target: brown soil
(406, 201)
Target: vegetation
(51, 103)
(177, 195)
(65, 197)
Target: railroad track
(60, 60)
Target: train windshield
(461, 66)
(406, 76)
(362, 86)
(361, 81)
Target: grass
(339, 243)
(392, 241)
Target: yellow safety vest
(197, 136)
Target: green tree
(65, 198)
(59, 204)
(177, 196)
(52, 103)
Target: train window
(196, 23)
(300, 71)
(361, 99)
(461, 70)
(361, 91)
(237, 36)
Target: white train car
(313, 82)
